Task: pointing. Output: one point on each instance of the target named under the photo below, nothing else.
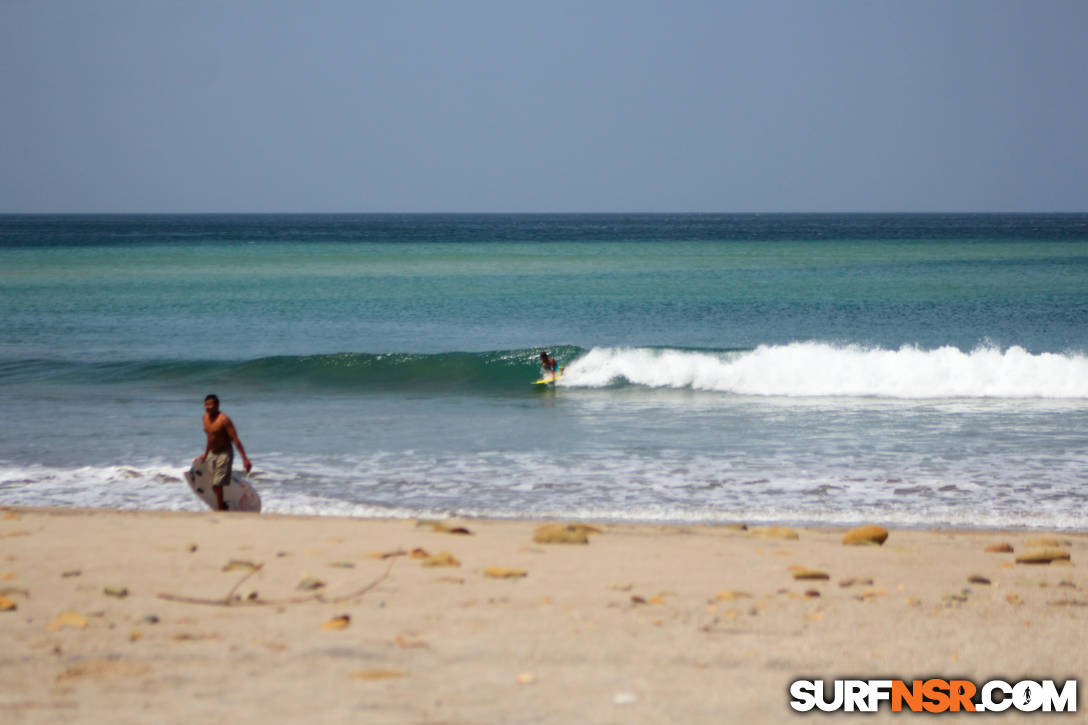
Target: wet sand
(124, 616)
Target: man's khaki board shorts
(220, 465)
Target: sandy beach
(124, 616)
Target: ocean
(906, 370)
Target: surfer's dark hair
(211, 396)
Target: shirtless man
(221, 434)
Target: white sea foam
(665, 486)
(819, 369)
(155, 485)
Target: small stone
(810, 574)
(526, 678)
(310, 584)
(1003, 548)
(564, 534)
(445, 527)
(339, 622)
(442, 558)
(1043, 556)
(116, 591)
(865, 535)
(977, 579)
(496, 572)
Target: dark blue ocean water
(904, 369)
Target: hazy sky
(508, 106)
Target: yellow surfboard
(550, 378)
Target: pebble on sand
(341, 621)
(564, 534)
(810, 574)
(864, 535)
(445, 527)
(1044, 555)
(442, 558)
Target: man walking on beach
(218, 451)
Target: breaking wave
(819, 369)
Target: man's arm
(238, 444)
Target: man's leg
(221, 470)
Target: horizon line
(532, 213)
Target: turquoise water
(907, 369)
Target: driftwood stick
(230, 601)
